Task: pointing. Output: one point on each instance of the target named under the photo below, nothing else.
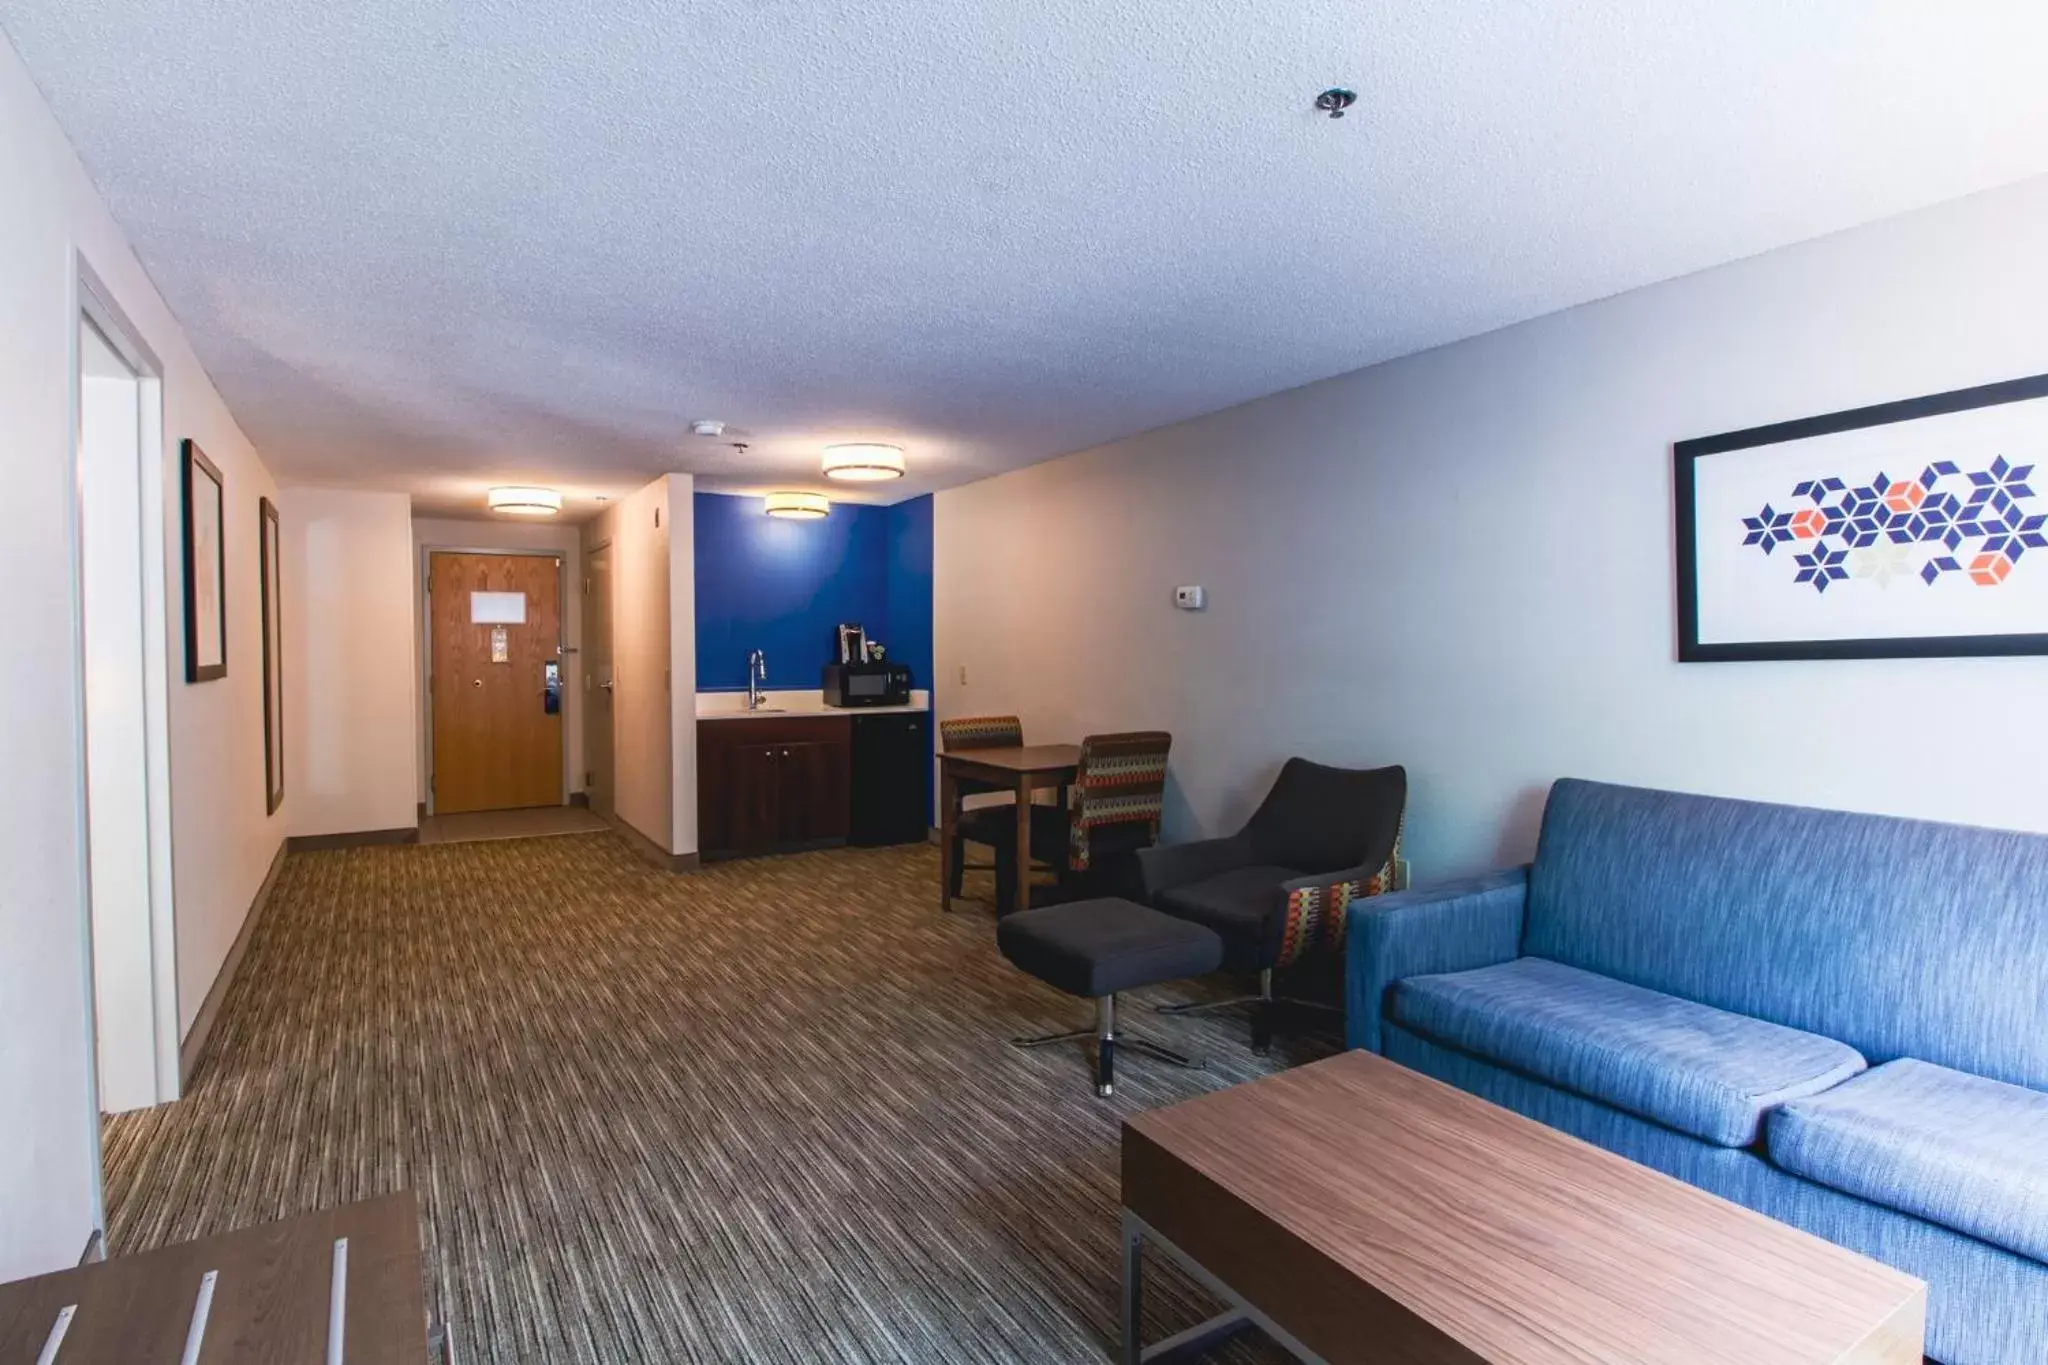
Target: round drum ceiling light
(864, 462)
(525, 502)
(798, 506)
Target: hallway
(759, 1113)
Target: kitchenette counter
(798, 774)
(785, 705)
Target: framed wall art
(206, 579)
(273, 655)
(1905, 530)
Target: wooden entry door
(497, 745)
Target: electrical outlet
(963, 675)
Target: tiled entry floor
(531, 823)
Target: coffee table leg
(1194, 1343)
(1132, 1351)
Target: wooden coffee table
(1358, 1211)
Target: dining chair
(992, 822)
(1113, 809)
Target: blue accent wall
(909, 548)
(783, 587)
(908, 629)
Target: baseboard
(422, 812)
(209, 1008)
(580, 799)
(803, 846)
(361, 838)
(651, 851)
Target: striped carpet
(761, 1113)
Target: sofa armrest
(1163, 867)
(1450, 927)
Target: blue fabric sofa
(1838, 1020)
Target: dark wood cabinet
(813, 790)
(751, 794)
(773, 782)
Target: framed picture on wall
(1905, 530)
(273, 656)
(206, 578)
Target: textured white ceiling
(432, 244)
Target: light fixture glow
(525, 502)
(864, 461)
(798, 506)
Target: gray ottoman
(1096, 948)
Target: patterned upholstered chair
(1113, 810)
(1277, 889)
(991, 823)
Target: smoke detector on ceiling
(707, 428)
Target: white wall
(681, 518)
(654, 734)
(1462, 561)
(430, 533)
(349, 685)
(223, 841)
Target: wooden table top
(1030, 758)
(1377, 1214)
(270, 1298)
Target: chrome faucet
(757, 673)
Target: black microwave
(867, 684)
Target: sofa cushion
(1953, 1148)
(1688, 1066)
(1902, 938)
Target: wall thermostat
(1190, 599)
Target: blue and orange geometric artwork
(1977, 525)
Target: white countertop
(733, 706)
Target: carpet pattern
(760, 1113)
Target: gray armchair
(1276, 890)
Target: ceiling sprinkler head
(707, 428)
(1336, 100)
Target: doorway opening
(130, 924)
(495, 681)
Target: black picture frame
(1686, 456)
(204, 497)
(270, 552)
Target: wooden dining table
(1021, 771)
